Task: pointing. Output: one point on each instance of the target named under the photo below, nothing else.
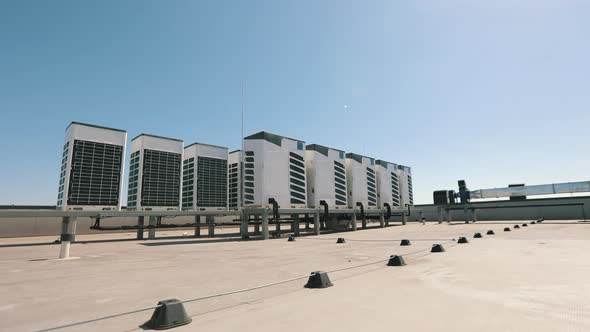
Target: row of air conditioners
(165, 175)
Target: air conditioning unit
(406, 189)
(92, 164)
(326, 176)
(361, 181)
(235, 179)
(155, 171)
(274, 167)
(387, 184)
(204, 177)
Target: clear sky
(493, 92)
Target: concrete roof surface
(531, 279)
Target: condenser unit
(155, 171)
(361, 181)
(235, 188)
(274, 167)
(326, 176)
(92, 165)
(406, 189)
(204, 177)
(387, 184)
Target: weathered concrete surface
(532, 279)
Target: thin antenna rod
(242, 153)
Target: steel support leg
(264, 218)
(152, 231)
(353, 217)
(140, 223)
(466, 215)
(243, 224)
(382, 219)
(316, 222)
(211, 225)
(197, 226)
(68, 235)
(296, 225)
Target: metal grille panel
(410, 190)
(234, 186)
(95, 176)
(133, 180)
(249, 177)
(161, 178)
(395, 189)
(188, 183)
(339, 183)
(211, 182)
(297, 178)
(371, 187)
(62, 175)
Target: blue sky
(494, 92)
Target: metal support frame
(69, 219)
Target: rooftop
(533, 278)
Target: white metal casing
(194, 151)
(361, 188)
(387, 184)
(77, 131)
(406, 185)
(235, 187)
(326, 180)
(274, 167)
(139, 146)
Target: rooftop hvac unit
(204, 177)
(274, 167)
(235, 179)
(326, 176)
(92, 165)
(361, 181)
(387, 184)
(155, 171)
(405, 181)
